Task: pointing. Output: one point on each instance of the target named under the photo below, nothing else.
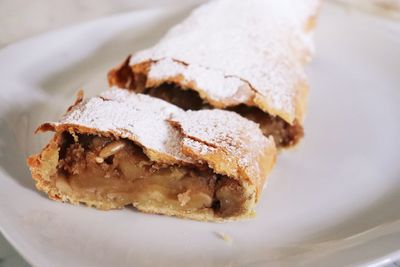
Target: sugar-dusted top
(229, 143)
(226, 44)
(138, 117)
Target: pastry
(245, 56)
(121, 148)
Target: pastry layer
(122, 148)
(234, 53)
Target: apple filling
(117, 173)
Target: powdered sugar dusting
(140, 118)
(240, 139)
(199, 147)
(262, 42)
(167, 68)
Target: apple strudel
(121, 148)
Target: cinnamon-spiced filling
(117, 173)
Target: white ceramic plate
(334, 201)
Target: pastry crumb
(227, 238)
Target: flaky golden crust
(226, 148)
(43, 166)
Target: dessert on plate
(191, 126)
(121, 148)
(244, 56)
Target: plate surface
(331, 202)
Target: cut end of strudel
(244, 56)
(122, 148)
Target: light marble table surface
(20, 19)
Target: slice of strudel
(123, 148)
(245, 56)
